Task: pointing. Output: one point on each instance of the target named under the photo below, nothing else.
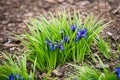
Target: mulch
(13, 14)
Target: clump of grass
(61, 39)
(89, 72)
(15, 69)
(118, 47)
(103, 47)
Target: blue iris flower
(117, 70)
(52, 47)
(81, 33)
(61, 47)
(84, 32)
(77, 38)
(118, 76)
(73, 27)
(11, 77)
(65, 39)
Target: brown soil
(13, 13)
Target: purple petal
(84, 32)
(117, 69)
(55, 45)
(61, 47)
(118, 76)
(79, 32)
(52, 48)
(76, 38)
(65, 39)
(73, 28)
(11, 77)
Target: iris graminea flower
(52, 47)
(66, 39)
(13, 77)
(117, 70)
(61, 47)
(73, 27)
(81, 33)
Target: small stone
(83, 3)
(8, 42)
(28, 14)
(11, 24)
(51, 1)
(109, 33)
(61, 1)
(12, 49)
(116, 10)
(57, 73)
(5, 22)
(101, 66)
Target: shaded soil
(13, 13)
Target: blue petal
(117, 69)
(18, 76)
(61, 47)
(77, 38)
(22, 78)
(55, 45)
(79, 32)
(11, 77)
(73, 28)
(65, 39)
(118, 76)
(52, 48)
(84, 32)
(49, 43)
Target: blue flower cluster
(58, 44)
(117, 70)
(54, 46)
(73, 28)
(80, 33)
(15, 77)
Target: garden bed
(14, 13)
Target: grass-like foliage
(15, 69)
(118, 46)
(61, 39)
(103, 47)
(89, 72)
